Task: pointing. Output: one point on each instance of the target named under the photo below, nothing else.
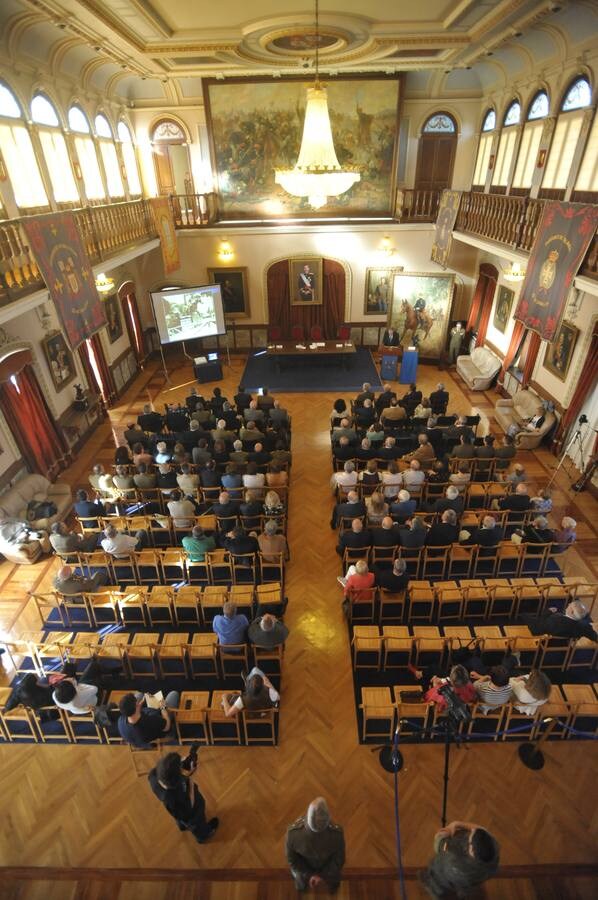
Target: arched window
(530, 143)
(506, 146)
(171, 158)
(109, 157)
(484, 148)
(130, 158)
(436, 153)
(44, 115)
(576, 99)
(440, 123)
(586, 186)
(19, 155)
(86, 154)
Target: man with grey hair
(238, 455)
(65, 542)
(439, 400)
(452, 500)
(353, 508)
(231, 627)
(384, 399)
(445, 532)
(315, 848)
(271, 543)
(574, 623)
(395, 579)
(538, 532)
(489, 534)
(366, 394)
(267, 631)
(403, 507)
(355, 538)
(346, 479)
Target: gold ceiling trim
(170, 50)
(343, 38)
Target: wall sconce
(386, 247)
(104, 285)
(514, 273)
(45, 319)
(225, 251)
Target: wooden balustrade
(417, 206)
(193, 210)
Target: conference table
(302, 353)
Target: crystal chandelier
(515, 273)
(317, 174)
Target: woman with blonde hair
(376, 507)
(530, 692)
(392, 480)
(273, 505)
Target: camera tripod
(576, 440)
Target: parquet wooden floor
(83, 806)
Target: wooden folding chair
(430, 646)
(392, 606)
(140, 655)
(132, 605)
(18, 724)
(233, 660)
(476, 598)
(421, 601)
(172, 651)
(159, 606)
(367, 647)
(378, 708)
(259, 726)
(222, 729)
(186, 606)
(413, 715)
(397, 644)
(201, 653)
(192, 717)
(220, 567)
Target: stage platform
(318, 373)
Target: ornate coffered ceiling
(149, 51)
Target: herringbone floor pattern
(76, 806)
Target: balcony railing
(417, 206)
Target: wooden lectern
(389, 362)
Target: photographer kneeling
(171, 783)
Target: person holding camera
(466, 856)
(171, 782)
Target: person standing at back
(315, 849)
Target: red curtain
(32, 425)
(107, 389)
(328, 315)
(133, 322)
(530, 359)
(481, 305)
(90, 375)
(476, 304)
(586, 383)
(516, 338)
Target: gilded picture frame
(558, 355)
(60, 360)
(378, 291)
(305, 281)
(503, 307)
(421, 310)
(235, 293)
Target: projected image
(190, 314)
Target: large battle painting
(421, 307)
(256, 127)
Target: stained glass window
(440, 123)
(578, 95)
(489, 123)
(539, 106)
(513, 114)
(167, 130)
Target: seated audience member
(574, 623)
(439, 473)
(505, 452)
(220, 453)
(452, 500)
(412, 535)
(134, 435)
(567, 533)
(345, 479)
(79, 695)
(142, 479)
(258, 694)
(149, 420)
(464, 449)
(140, 725)
(251, 509)
(197, 544)
(343, 450)
(538, 532)
(187, 481)
(423, 410)
(231, 627)
(411, 399)
(534, 422)
(181, 510)
(486, 451)
(365, 451)
(242, 399)
(120, 545)
(384, 399)
(392, 480)
(122, 456)
(543, 502)
(88, 510)
(162, 454)
(376, 508)
(517, 501)
(375, 435)
(517, 475)
(460, 683)
(403, 507)
(192, 399)
(253, 414)
(267, 631)
(273, 505)
(359, 581)
(232, 480)
(239, 543)
(264, 400)
(203, 415)
(123, 482)
(444, 532)
(272, 542)
(344, 430)
(530, 692)
(208, 476)
(64, 541)
(365, 415)
(226, 509)
(414, 476)
(222, 433)
(392, 579)
(434, 435)
(166, 478)
(439, 400)
(140, 455)
(217, 401)
(424, 453)
(102, 482)
(454, 432)
(259, 455)
(276, 477)
(370, 476)
(488, 535)
(253, 479)
(462, 476)
(348, 509)
(366, 393)
(389, 449)
(356, 538)
(70, 584)
(34, 693)
(278, 414)
(231, 419)
(386, 534)
(392, 413)
(339, 411)
(250, 434)
(238, 456)
(493, 689)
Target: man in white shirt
(413, 477)
(181, 510)
(346, 479)
(121, 545)
(252, 478)
(187, 482)
(79, 696)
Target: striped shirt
(491, 696)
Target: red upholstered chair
(297, 333)
(274, 333)
(344, 333)
(316, 333)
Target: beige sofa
(517, 411)
(479, 370)
(13, 507)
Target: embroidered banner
(165, 227)
(445, 222)
(561, 242)
(63, 262)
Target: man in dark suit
(227, 510)
(403, 507)
(464, 449)
(454, 432)
(387, 535)
(355, 538)
(518, 501)
(177, 419)
(87, 510)
(574, 623)
(444, 532)
(348, 510)
(239, 543)
(365, 451)
(411, 399)
(395, 579)
(413, 534)
(389, 449)
(506, 452)
(365, 394)
(265, 402)
(242, 399)
(365, 415)
(452, 500)
(259, 455)
(134, 434)
(439, 400)
(489, 535)
(383, 399)
(343, 450)
(538, 532)
(390, 338)
(149, 420)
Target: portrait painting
(378, 291)
(233, 286)
(421, 310)
(305, 282)
(559, 352)
(113, 315)
(256, 126)
(502, 310)
(60, 360)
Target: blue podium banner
(408, 372)
(388, 367)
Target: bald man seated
(70, 584)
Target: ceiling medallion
(301, 41)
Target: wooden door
(164, 173)
(435, 160)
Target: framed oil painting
(235, 295)
(113, 316)
(60, 360)
(256, 126)
(305, 281)
(502, 310)
(421, 309)
(378, 291)
(559, 352)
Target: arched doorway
(171, 158)
(436, 153)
